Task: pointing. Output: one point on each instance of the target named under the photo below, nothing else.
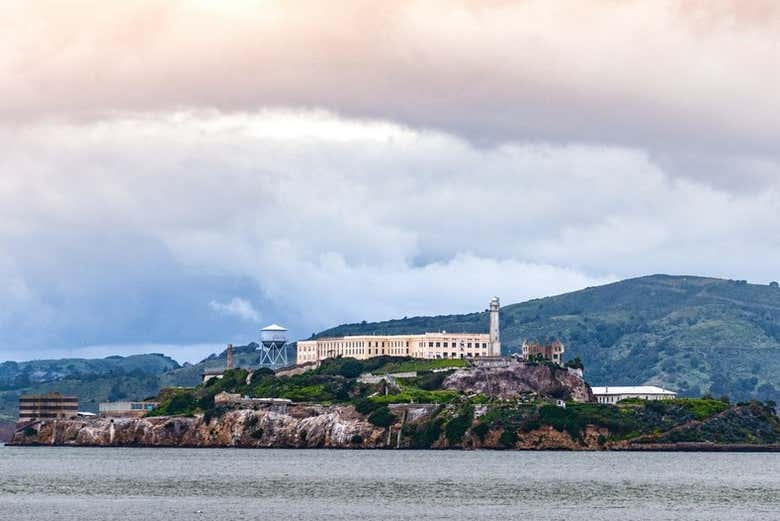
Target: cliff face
(744, 427)
(511, 382)
(298, 427)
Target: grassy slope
(691, 334)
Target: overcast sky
(174, 175)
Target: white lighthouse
(495, 338)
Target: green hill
(93, 380)
(692, 334)
(107, 379)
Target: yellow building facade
(426, 345)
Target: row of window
(455, 344)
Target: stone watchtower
(495, 339)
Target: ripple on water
(172, 484)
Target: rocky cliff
(296, 427)
(516, 379)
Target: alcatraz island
(435, 390)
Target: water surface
(44, 483)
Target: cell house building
(425, 345)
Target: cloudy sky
(176, 174)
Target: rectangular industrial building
(51, 406)
(126, 409)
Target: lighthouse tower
(495, 339)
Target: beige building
(426, 345)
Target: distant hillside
(692, 334)
(15, 375)
(107, 379)
(93, 380)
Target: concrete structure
(51, 406)
(126, 409)
(426, 345)
(613, 394)
(212, 373)
(273, 346)
(229, 355)
(552, 351)
(224, 399)
(495, 334)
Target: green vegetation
(423, 435)
(416, 364)
(457, 426)
(382, 417)
(333, 382)
(629, 419)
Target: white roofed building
(613, 394)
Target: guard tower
(273, 346)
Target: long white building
(426, 345)
(614, 394)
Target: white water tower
(273, 346)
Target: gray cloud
(673, 78)
(133, 229)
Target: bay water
(85, 484)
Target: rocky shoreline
(331, 427)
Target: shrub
(350, 369)
(357, 439)
(366, 406)
(508, 438)
(425, 435)
(216, 412)
(456, 428)
(382, 417)
(257, 434)
(481, 430)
